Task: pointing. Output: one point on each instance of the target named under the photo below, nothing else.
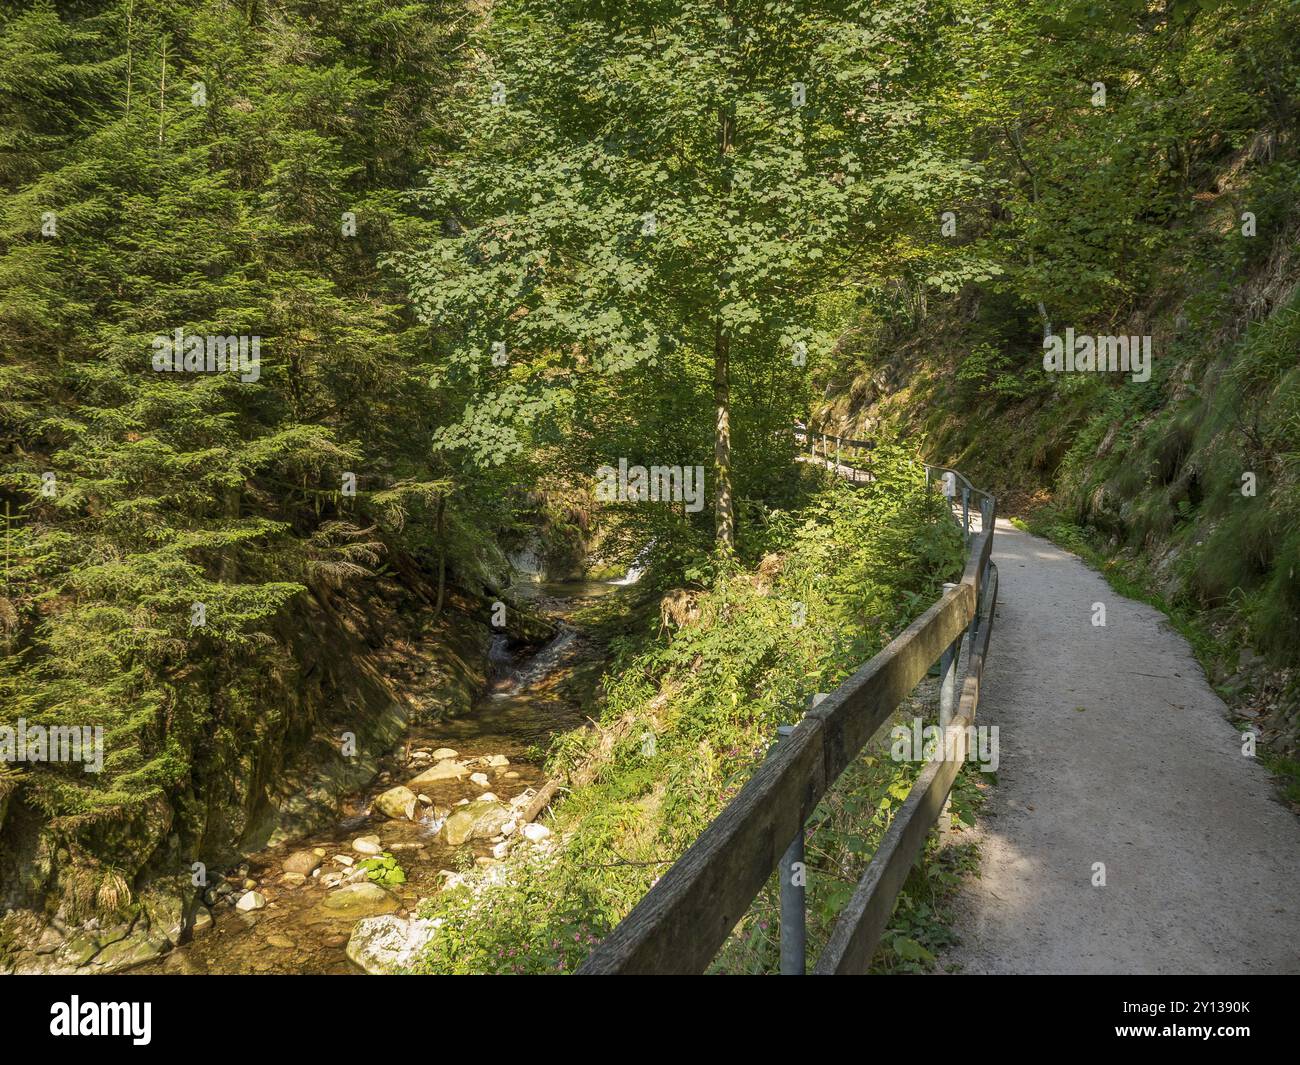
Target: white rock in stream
(445, 752)
(501, 849)
(480, 779)
(367, 845)
(497, 760)
(381, 945)
(250, 900)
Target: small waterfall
(534, 669)
(500, 661)
(637, 568)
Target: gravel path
(1114, 749)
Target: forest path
(1115, 749)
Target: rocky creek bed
(458, 792)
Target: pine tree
(165, 528)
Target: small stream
(511, 724)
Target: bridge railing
(683, 920)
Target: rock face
(448, 769)
(303, 862)
(382, 945)
(131, 951)
(476, 820)
(397, 803)
(360, 900)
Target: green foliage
(688, 716)
(996, 373)
(127, 211)
(650, 219)
(383, 869)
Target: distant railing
(853, 450)
(681, 922)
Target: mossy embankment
(1185, 488)
(282, 752)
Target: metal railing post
(792, 877)
(965, 513)
(948, 675)
(986, 525)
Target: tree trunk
(723, 507)
(442, 557)
(724, 513)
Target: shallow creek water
(525, 705)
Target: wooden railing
(680, 924)
(846, 452)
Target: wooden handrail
(864, 918)
(680, 923)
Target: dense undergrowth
(690, 707)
